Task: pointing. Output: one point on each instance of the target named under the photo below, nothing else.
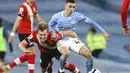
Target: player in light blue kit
(66, 20)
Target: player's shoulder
(34, 33)
(23, 5)
(49, 34)
(77, 13)
(34, 4)
(57, 14)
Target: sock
(49, 70)
(72, 68)
(1, 70)
(50, 64)
(89, 65)
(31, 63)
(17, 61)
(62, 62)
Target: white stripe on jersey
(30, 14)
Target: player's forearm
(22, 45)
(39, 19)
(17, 22)
(93, 23)
(97, 26)
(124, 12)
(51, 29)
(69, 33)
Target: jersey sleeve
(80, 16)
(21, 11)
(89, 21)
(31, 38)
(36, 11)
(124, 12)
(59, 35)
(52, 23)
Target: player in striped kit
(47, 48)
(24, 23)
(66, 20)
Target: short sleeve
(30, 38)
(21, 11)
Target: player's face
(42, 35)
(70, 7)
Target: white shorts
(73, 44)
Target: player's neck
(66, 14)
(29, 2)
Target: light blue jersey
(61, 23)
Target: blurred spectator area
(109, 5)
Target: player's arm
(69, 33)
(93, 23)
(22, 47)
(24, 43)
(19, 17)
(52, 28)
(97, 26)
(87, 20)
(124, 12)
(52, 23)
(16, 24)
(39, 19)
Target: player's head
(70, 6)
(1, 21)
(43, 32)
(31, 1)
(92, 29)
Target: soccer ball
(94, 71)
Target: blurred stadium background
(114, 59)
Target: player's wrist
(124, 26)
(12, 34)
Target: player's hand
(106, 35)
(126, 31)
(54, 36)
(10, 39)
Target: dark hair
(1, 20)
(92, 29)
(70, 1)
(43, 26)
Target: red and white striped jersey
(48, 45)
(27, 12)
